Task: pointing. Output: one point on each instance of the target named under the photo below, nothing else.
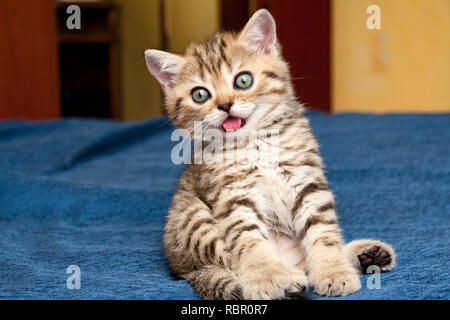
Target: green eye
(200, 95)
(243, 80)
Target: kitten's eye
(243, 80)
(200, 95)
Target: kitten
(253, 229)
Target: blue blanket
(95, 194)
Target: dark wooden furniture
(234, 14)
(28, 60)
(89, 61)
(303, 28)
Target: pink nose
(225, 106)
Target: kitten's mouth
(233, 123)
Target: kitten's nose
(225, 106)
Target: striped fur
(252, 229)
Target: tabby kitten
(253, 229)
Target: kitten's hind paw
(374, 256)
(366, 252)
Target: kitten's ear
(260, 31)
(163, 66)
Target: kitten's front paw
(274, 282)
(336, 282)
(298, 286)
(299, 281)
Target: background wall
(404, 67)
(140, 28)
(190, 21)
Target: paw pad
(374, 256)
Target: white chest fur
(278, 190)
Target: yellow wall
(139, 30)
(190, 21)
(404, 67)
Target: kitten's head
(229, 82)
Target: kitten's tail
(215, 283)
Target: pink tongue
(232, 123)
